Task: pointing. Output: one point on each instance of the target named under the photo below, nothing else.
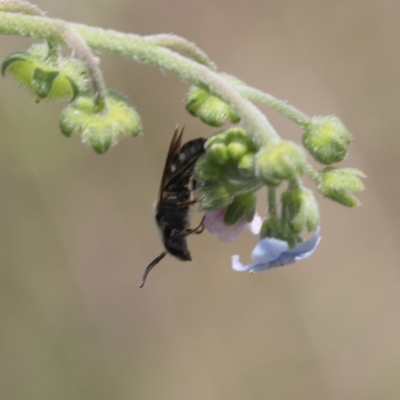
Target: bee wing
(174, 147)
(188, 155)
(183, 175)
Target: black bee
(174, 198)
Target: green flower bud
(38, 73)
(300, 210)
(337, 183)
(206, 171)
(243, 205)
(327, 139)
(234, 134)
(218, 152)
(246, 165)
(210, 108)
(236, 141)
(227, 149)
(218, 138)
(214, 196)
(282, 161)
(237, 150)
(100, 129)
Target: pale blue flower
(271, 252)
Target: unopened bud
(338, 183)
(282, 161)
(327, 139)
(209, 108)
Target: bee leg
(199, 229)
(186, 203)
(151, 266)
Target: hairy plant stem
(183, 45)
(24, 7)
(76, 43)
(275, 104)
(21, 6)
(142, 50)
(271, 200)
(313, 174)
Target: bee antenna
(151, 266)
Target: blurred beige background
(77, 231)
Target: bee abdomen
(177, 246)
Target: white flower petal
(255, 225)
(237, 265)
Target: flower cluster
(228, 177)
(235, 167)
(227, 171)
